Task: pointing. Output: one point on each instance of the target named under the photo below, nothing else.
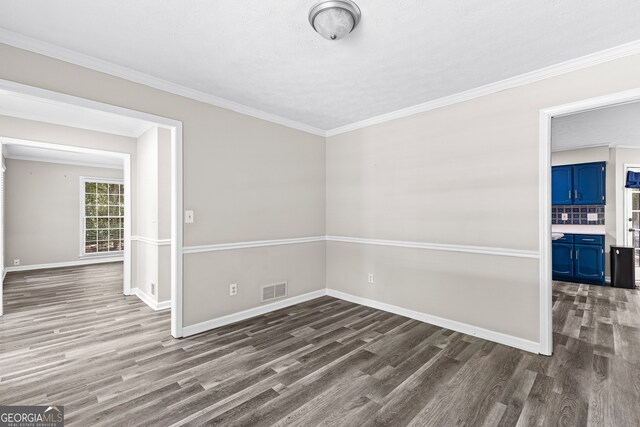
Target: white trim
(626, 205)
(544, 226)
(54, 145)
(176, 185)
(464, 328)
(546, 309)
(559, 150)
(128, 209)
(80, 262)
(148, 299)
(23, 42)
(484, 250)
(150, 241)
(61, 161)
(441, 322)
(590, 60)
(252, 312)
(246, 245)
(176, 230)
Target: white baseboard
(86, 261)
(247, 314)
(148, 299)
(464, 328)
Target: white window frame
(83, 180)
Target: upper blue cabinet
(589, 184)
(582, 184)
(562, 185)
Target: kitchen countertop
(578, 229)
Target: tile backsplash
(577, 215)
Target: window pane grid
(104, 217)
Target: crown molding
(581, 147)
(592, 59)
(37, 46)
(27, 43)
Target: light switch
(565, 217)
(592, 217)
(188, 217)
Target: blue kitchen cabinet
(581, 184)
(562, 259)
(589, 184)
(589, 263)
(562, 185)
(579, 258)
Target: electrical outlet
(153, 288)
(370, 278)
(565, 217)
(592, 217)
(16, 261)
(188, 217)
(233, 289)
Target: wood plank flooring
(70, 337)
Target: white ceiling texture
(616, 126)
(264, 54)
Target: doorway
(545, 218)
(105, 111)
(632, 216)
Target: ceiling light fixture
(334, 19)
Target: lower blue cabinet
(562, 259)
(589, 262)
(579, 258)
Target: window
(103, 216)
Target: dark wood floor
(70, 337)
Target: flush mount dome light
(334, 19)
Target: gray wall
(42, 210)
(466, 174)
(245, 178)
(31, 130)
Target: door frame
(626, 208)
(544, 144)
(175, 126)
(126, 162)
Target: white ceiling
(264, 54)
(39, 109)
(38, 154)
(614, 126)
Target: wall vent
(275, 291)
